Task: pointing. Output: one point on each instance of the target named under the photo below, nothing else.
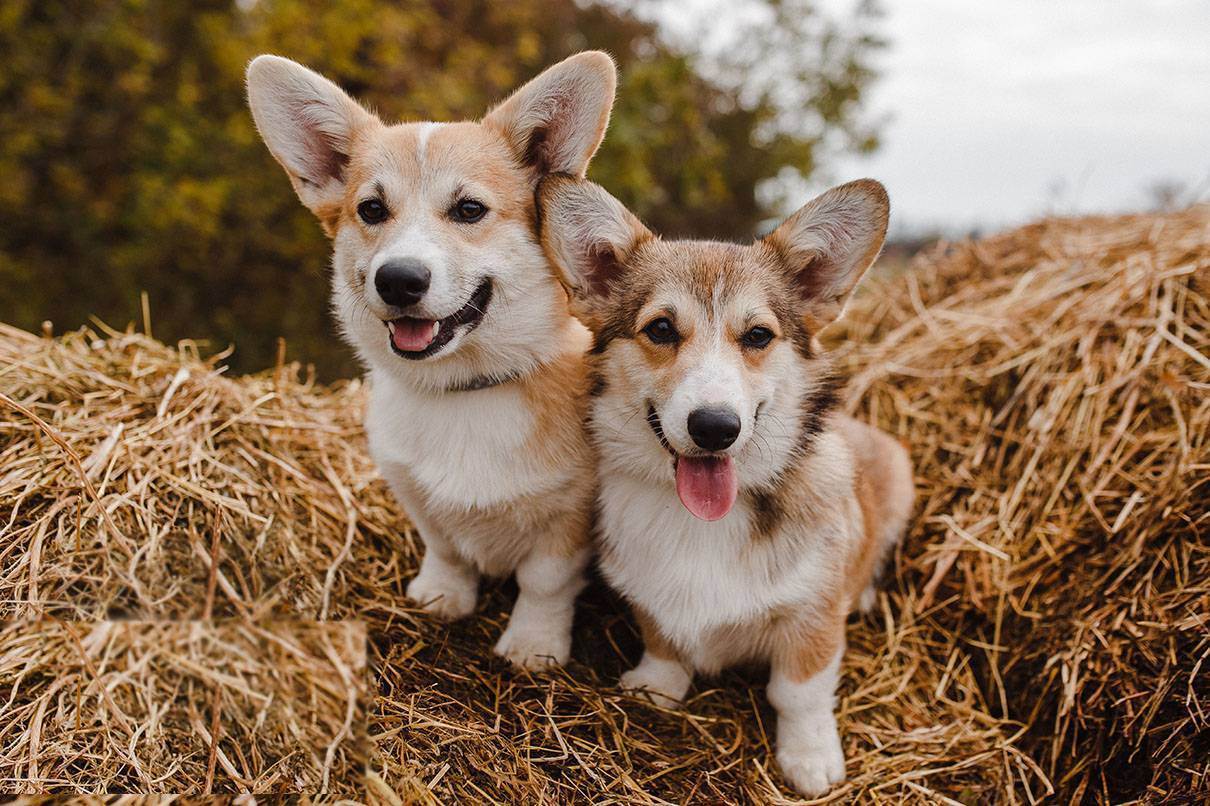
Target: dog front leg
(539, 631)
(804, 693)
(662, 675)
(447, 586)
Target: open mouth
(420, 338)
(706, 483)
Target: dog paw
(535, 648)
(813, 769)
(445, 596)
(867, 600)
(663, 682)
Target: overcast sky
(1001, 111)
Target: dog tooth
(436, 327)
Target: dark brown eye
(372, 211)
(757, 337)
(662, 331)
(468, 211)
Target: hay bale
(1053, 384)
(186, 707)
(1044, 630)
(122, 459)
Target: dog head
(708, 371)
(437, 271)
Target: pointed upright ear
(554, 123)
(829, 243)
(587, 234)
(309, 124)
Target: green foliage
(129, 161)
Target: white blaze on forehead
(413, 239)
(718, 305)
(423, 133)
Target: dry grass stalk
(1045, 627)
(183, 707)
(123, 462)
(1053, 384)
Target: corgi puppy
(740, 515)
(476, 366)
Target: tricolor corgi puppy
(738, 513)
(476, 366)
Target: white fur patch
(462, 450)
(663, 680)
(445, 589)
(808, 743)
(448, 288)
(692, 576)
(423, 133)
(716, 381)
(539, 630)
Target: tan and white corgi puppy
(476, 366)
(738, 513)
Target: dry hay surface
(1044, 630)
(187, 706)
(121, 460)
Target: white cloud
(993, 104)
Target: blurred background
(129, 163)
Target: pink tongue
(706, 485)
(413, 335)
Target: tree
(130, 162)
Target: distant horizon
(998, 114)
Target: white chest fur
(464, 449)
(693, 576)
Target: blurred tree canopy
(129, 162)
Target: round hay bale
(1044, 630)
(1052, 383)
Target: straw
(1042, 633)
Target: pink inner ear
(535, 150)
(812, 278)
(323, 160)
(326, 162)
(542, 146)
(603, 268)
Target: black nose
(713, 429)
(402, 282)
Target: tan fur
(543, 523)
(821, 497)
(558, 397)
(654, 640)
(497, 478)
(881, 486)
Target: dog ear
(309, 125)
(829, 243)
(587, 234)
(554, 123)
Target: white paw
(663, 681)
(867, 600)
(812, 768)
(636, 681)
(445, 595)
(534, 646)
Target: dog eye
(468, 211)
(662, 331)
(372, 211)
(758, 337)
